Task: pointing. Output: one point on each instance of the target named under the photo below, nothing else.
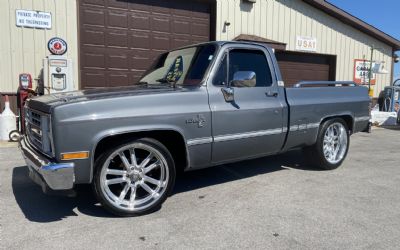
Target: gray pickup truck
(196, 107)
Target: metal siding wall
(22, 49)
(283, 20)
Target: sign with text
(361, 72)
(304, 43)
(33, 19)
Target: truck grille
(38, 131)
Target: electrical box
(57, 74)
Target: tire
(135, 185)
(322, 154)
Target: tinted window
(220, 76)
(250, 61)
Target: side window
(251, 65)
(220, 76)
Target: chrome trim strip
(299, 127)
(313, 125)
(199, 141)
(238, 136)
(362, 118)
(302, 126)
(222, 138)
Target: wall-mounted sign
(57, 46)
(379, 68)
(304, 43)
(33, 19)
(361, 72)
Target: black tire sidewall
(322, 162)
(99, 164)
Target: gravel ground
(270, 203)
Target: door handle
(271, 94)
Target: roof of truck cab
(221, 43)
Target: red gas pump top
(25, 81)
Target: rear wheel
(134, 178)
(332, 145)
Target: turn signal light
(74, 156)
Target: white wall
(283, 20)
(22, 49)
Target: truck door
(253, 123)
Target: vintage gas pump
(57, 74)
(391, 99)
(57, 68)
(24, 92)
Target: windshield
(183, 67)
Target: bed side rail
(325, 84)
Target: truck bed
(350, 102)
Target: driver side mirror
(244, 79)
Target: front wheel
(134, 178)
(332, 145)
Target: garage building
(112, 42)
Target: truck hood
(45, 103)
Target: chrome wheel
(134, 177)
(335, 143)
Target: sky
(382, 14)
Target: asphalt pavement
(270, 203)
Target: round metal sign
(57, 46)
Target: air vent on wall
(250, 1)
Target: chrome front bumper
(48, 174)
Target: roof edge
(355, 22)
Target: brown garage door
(296, 67)
(120, 38)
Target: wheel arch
(348, 119)
(172, 139)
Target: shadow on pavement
(235, 171)
(39, 207)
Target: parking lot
(270, 203)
